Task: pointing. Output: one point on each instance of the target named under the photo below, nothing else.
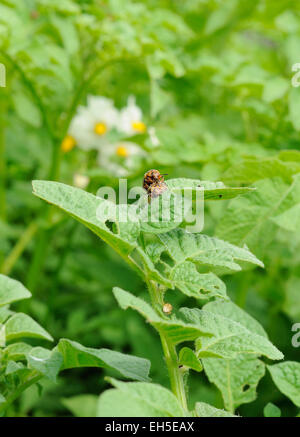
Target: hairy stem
(169, 350)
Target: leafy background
(214, 79)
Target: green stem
(169, 350)
(44, 234)
(18, 249)
(39, 257)
(55, 160)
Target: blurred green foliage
(214, 79)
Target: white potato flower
(121, 159)
(130, 121)
(91, 124)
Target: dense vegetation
(100, 90)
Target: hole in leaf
(111, 226)
(220, 196)
(246, 387)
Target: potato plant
(226, 340)
(95, 91)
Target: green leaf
(159, 98)
(92, 211)
(26, 109)
(81, 405)
(205, 410)
(62, 6)
(251, 74)
(138, 399)
(289, 155)
(291, 304)
(188, 358)
(11, 290)
(249, 220)
(271, 410)
(202, 249)
(235, 313)
(289, 219)
(5, 313)
(286, 376)
(255, 168)
(219, 17)
(151, 271)
(20, 325)
(217, 335)
(201, 286)
(229, 338)
(17, 351)
(162, 214)
(176, 330)
(47, 362)
(67, 32)
(128, 230)
(212, 190)
(13, 367)
(237, 379)
(115, 403)
(275, 88)
(76, 355)
(287, 21)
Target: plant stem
(18, 249)
(169, 350)
(38, 259)
(55, 160)
(40, 251)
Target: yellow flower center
(139, 126)
(68, 143)
(122, 151)
(100, 128)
